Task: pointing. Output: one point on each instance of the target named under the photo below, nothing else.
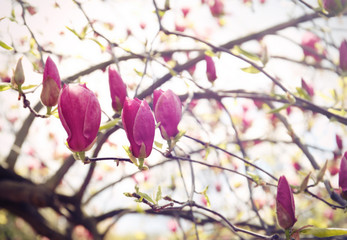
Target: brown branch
(32, 216)
(233, 155)
(295, 138)
(228, 45)
(20, 138)
(55, 180)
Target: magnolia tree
(214, 119)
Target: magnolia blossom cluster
(139, 124)
(80, 112)
(137, 116)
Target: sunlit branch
(233, 155)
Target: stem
(49, 110)
(287, 231)
(141, 160)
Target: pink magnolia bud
(18, 75)
(309, 89)
(339, 142)
(179, 27)
(51, 84)
(167, 111)
(343, 175)
(80, 114)
(334, 6)
(118, 89)
(185, 11)
(311, 44)
(285, 207)
(138, 122)
(217, 8)
(210, 69)
(343, 55)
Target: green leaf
(138, 72)
(144, 195)
(304, 183)
(210, 53)
(4, 45)
(29, 86)
(341, 112)
(84, 32)
(74, 32)
(237, 50)
(158, 196)
(13, 15)
(302, 93)
(161, 13)
(172, 72)
(206, 196)
(256, 178)
(167, 4)
(250, 69)
(131, 156)
(276, 110)
(109, 124)
(179, 135)
(158, 144)
(102, 47)
(321, 172)
(324, 232)
(5, 86)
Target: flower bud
(343, 176)
(309, 89)
(118, 89)
(80, 115)
(312, 46)
(167, 111)
(210, 69)
(217, 8)
(339, 142)
(334, 6)
(51, 84)
(285, 207)
(18, 75)
(185, 11)
(343, 55)
(138, 122)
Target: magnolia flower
(285, 207)
(334, 6)
(80, 114)
(343, 176)
(210, 69)
(138, 122)
(312, 46)
(217, 8)
(51, 84)
(167, 111)
(309, 89)
(339, 142)
(343, 55)
(18, 75)
(118, 89)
